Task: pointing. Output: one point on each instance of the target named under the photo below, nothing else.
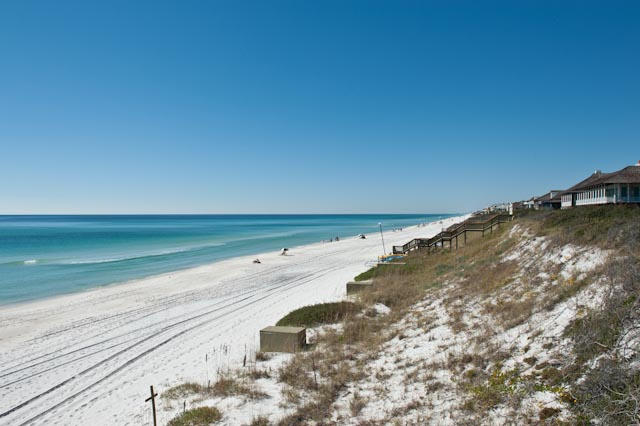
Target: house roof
(630, 174)
(547, 197)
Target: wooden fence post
(152, 398)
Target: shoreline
(133, 281)
(25, 302)
(159, 330)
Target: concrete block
(283, 339)
(355, 286)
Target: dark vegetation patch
(370, 273)
(322, 313)
(201, 416)
(548, 412)
(260, 421)
(224, 386)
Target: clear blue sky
(310, 106)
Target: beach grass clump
(183, 390)
(371, 273)
(487, 391)
(260, 421)
(606, 226)
(263, 356)
(322, 313)
(201, 416)
(224, 386)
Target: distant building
(528, 204)
(548, 201)
(497, 208)
(622, 186)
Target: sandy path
(90, 357)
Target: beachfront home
(550, 200)
(498, 208)
(622, 186)
(528, 204)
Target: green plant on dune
(201, 416)
(322, 313)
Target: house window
(610, 190)
(623, 191)
(635, 191)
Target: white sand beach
(89, 358)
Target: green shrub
(201, 416)
(183, 390)
(323, 313)
(369, 274)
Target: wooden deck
(454, 232)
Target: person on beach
(256, 261)
(284, 251)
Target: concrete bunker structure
(356, 286)
(283, 339)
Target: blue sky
(310, 107)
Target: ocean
(44, 256)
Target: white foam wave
(138, 256)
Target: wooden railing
(473, 224)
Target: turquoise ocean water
(44, 256)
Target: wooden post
(152, 398)
(465, 237)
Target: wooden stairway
(473, 224)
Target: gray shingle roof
(630, 174)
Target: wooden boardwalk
(454, 232)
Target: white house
(622, 186)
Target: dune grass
(605, 226)
(322, 313)
(224, 386)
(201, 416)
(368, 274)
(479, 269)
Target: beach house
(622, 186)
(550, 200)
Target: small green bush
(201, 416)
(183, 390)
(367, 275)
(323, 313)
